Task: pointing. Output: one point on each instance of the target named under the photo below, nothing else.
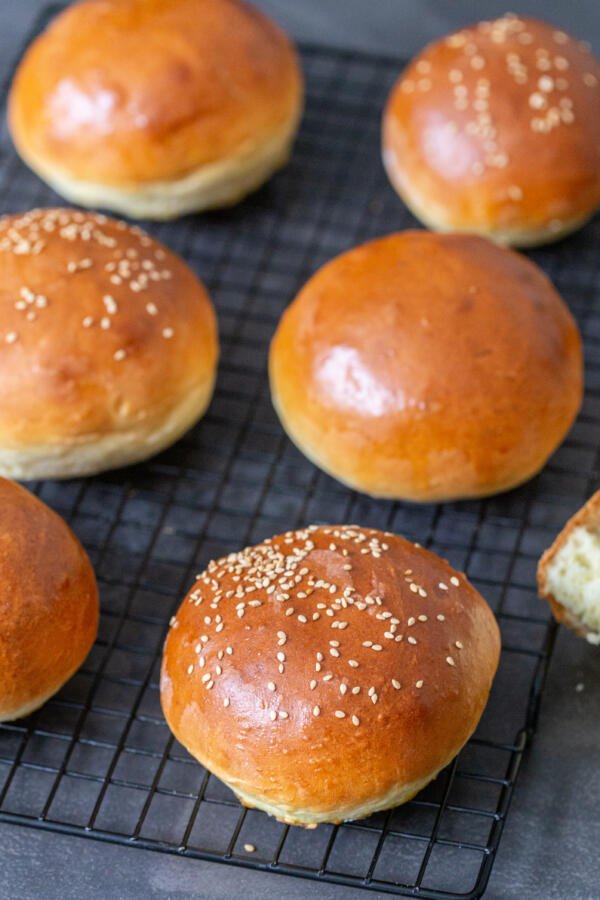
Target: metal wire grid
(98, 759)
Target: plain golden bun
(569, 573)
(495, 130)
(156, 108)
(328, 673)
(48, 602)
(108, 345)
(427, 367)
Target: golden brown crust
(104, 333)
(587, 517)
(427, 367)
(127, 92)
(496, 130)
(48, 602)
(325, 671)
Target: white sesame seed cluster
(282, 587)
(126, 271)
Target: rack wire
(98, 759)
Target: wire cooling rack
(98, 759)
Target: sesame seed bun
(427, 367)
(495, 130)
(156, 108)
(108, 345)
(569, 573)
(48, 602)
(328, 673)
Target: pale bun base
(291, 815)
(10, 715)
(434, 217)
(93, 453)
(219, 184)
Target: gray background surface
(550, 845)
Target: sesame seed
(396, 684)
(353, 663)
(167, 333)
(272, 715)
(419, 683)
(249, 848)
(440, 617)
(454, 580)
(316, 711)
(110, 304)
(11, 337)
(190, 669)
(458, 644)
(412, 640)
(119, 355)
(226, 702)
(355, 721)
(340, 714)
(283, 714)
(312, 685)
(450, 661)
(343, 688)
(271, 685)
(356, 690)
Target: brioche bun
(328, 673)
(156, 108)
(427, 367)
(48, 602)
(495, 130)
(108, 345)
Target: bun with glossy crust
(48, 602)
(328, 673)
(495, 130)
(156, 108)
(427, 367)
(108, 345)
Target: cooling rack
(98, 759)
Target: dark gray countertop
(550, 844)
